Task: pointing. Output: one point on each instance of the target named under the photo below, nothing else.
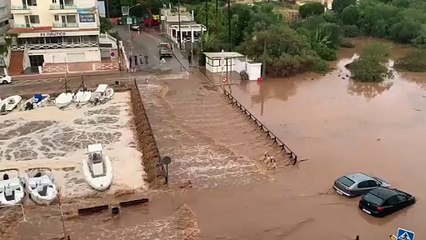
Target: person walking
(130, 63)
(136, 62)
(189, 60)
(141, 59)
(146, 59)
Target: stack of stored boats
(81, 97)
(39, 184)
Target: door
(35, 62)
(27, 21)
(64, 21)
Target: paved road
(146, 42)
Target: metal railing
(55, 46)
(64, 25)
(20, 7)
(16, 25)
(62, 7)
(262, 126)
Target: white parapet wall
(220, 62)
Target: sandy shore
(49, 137)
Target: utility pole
(264, 61)
(217, 17)
(180, 33)
(207, 13)
(229, 25)
(106, 9)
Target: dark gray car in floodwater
(356, 184)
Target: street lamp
(130, 33)
(180, 33)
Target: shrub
(415, 61)
(311, 9)
(350, 31)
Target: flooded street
(335, 127)
(343, 127)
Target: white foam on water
(49, 137)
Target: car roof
(359, 177)
(385, 193)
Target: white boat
(102, 93)
(64, 99)
(11, 187)
(82, 97)
(40, 186)
(10, 103)
(38, 100)
(97, 168)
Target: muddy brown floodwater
(337, 125)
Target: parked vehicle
(10, 103)
(165, 49)
(356, 184)
(135, 27)
(6, 79)
(382, 201)
(154, 23)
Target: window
(401, 198)
(392, 200)
(32, 2)
(71, 19)
(56, 18)
(345, 181)
(373, 199)
(363, 184)
(34, 19)
(53, 1)
(372, 183)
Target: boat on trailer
(97, 168)
(40, 186)
(38, 100)
(11, 187)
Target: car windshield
(346, 181)
(373, 199)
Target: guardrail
(262, 126)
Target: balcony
(53, 46)
(64, 25)
(67, 8)
(20, 9)
(16, 25)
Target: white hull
(100, 183)
(64, 99)
(42, 103)
(19, 192)
(103, 93)
(11, 102)
(46, 198)
(82, 97)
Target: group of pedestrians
(135, 61)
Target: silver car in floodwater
(356, 184)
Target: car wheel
(5, 82)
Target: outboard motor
(29, 106)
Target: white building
(4, 16)
(181, 26)
(53, 31)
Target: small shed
(220, 62)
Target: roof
(384, 193)
(218, 55)
(358, 177)
(94, 147)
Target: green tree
(371, 65)
(333, 33)
(339, 5)
(415, 61)
(405, 31)
(105, 25)
(311, 9)
(350, 15)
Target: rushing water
(338, 127)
